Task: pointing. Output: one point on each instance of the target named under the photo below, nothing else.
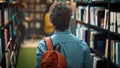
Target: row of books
(6, 48)
(5, 14)
(10, 59)
(99, 17)
(3, 48)
(99, 42)
(96, 15)
(7, 38)
(115, 52)
(99, 62)
(115, 22)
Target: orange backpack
(52, 58)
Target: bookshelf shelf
(98, 53)
(113, 35)
(92, 26)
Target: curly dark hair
(60, 14)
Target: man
(75, 51)
(22, 19)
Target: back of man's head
(60, 14)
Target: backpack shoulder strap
(48, 43)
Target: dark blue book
(99, 43)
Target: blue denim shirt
(76, 51)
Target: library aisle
(27, 55)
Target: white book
(112, 21)
(92, 15)
(82, 33)
(86, 15)
(97, 10)
(7, 58)
(92, 55)
(77, 14)
(81, 10)
(92, 39)
(95, 60)
(115, 18)
(6, 14)
(118, 22)
(106, 19)
(106, 49)
(112, 51)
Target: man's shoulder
(41, 43)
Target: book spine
(118, 22)
(6, 36)
(0, 49)
(0, 18)
(6, 14)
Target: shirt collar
(67, 31)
